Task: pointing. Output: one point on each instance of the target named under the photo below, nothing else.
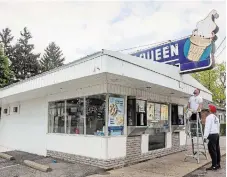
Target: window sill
(82, 135)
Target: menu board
(164, 112)
(157, 111)
(140, 104)
(180, 110)
(181, 115)
(116, 112)
(150, 112)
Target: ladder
(194, 130)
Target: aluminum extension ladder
(194, 130)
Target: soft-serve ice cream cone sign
(193, 53)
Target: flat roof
(45, 79)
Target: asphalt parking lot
(16, 168)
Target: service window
(158, 122)
(177, 113)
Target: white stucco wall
(25, 131)
(144, 143)
(89, 146)
(116, 147)
(168, 139)
(182, 138)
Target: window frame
(161, 103)
(106, 95)
(48, 118)
(84, 117)
(177, 124)
(8, 111)
(18, 109)
(84, 111)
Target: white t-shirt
(194, 102)
(212, 125)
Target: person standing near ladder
(211, 132)
(195, 104)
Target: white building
(107, 109)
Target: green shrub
(223, 129)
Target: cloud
(81, 28)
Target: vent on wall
(16, 109)
(6, 111)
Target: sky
(82, 28)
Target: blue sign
(116, 131)
(182, 53)
(191, 54)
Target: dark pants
(194, 116)
(214, 149)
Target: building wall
(26, 130)
(88, 146)
(222, 116)
(30, 128)
(134, 153)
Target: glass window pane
(56, 117)
(75, 116)
(95, 115)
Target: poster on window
(164, 112)
(181, 115)
(140, 106)
(180, 110)
(116, 112)
(157, 112)
(150, 112)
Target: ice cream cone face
(193, 53)
(202, 36)
(200, 41)
(197, 47)
(207, 26)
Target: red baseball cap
(212, 108)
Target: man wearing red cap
(211, 132)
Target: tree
(5, 72)
(52, 58)
(6, 39)
(25, 63)
(215, 81)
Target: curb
(6, 156)
(37, 166)
(224, 154)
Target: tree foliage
(215, 81)
(6, 39)
(52, 58)
(25, 63)
(5, 72)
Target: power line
(220, 44)
(221, 52)
(142, 46)
(159, 43)
(163, 42)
